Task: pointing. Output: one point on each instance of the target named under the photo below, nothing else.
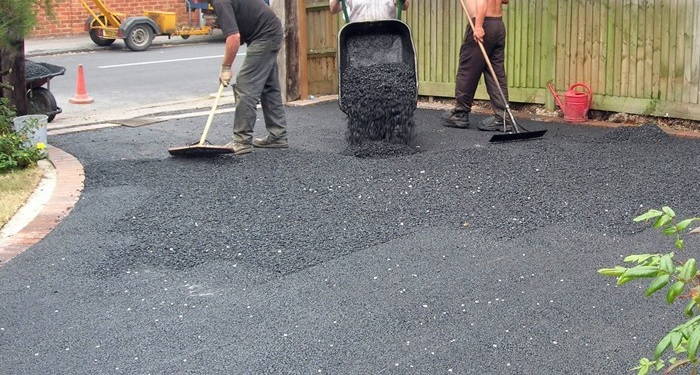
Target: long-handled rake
(203, 148)
(520, 132)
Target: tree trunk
(12, 58)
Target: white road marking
(164, 61)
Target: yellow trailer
(106, 26)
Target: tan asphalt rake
(203, 147)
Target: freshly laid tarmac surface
(457, 256)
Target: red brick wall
(69, 15)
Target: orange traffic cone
(81, 96)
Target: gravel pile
(35, 71)
(648, 133)
(378, 149)
(378, 95)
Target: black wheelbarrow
(40, 100)
(378, 84)
(369, 47)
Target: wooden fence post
(278, 7)
(303, 50)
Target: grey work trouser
(258, 78)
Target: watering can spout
(576, 103)
(556, 96)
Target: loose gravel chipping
(293, 209)
(467, 257)
(378, 96)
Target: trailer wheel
(96, 33)
(41, 102)
(139, 38)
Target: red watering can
(576, 103)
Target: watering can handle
(590, 92)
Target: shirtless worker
(490, 30)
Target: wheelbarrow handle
(399, 8)
(345, 11)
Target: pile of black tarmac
(37, 71)
(468, 257)
(379, 98)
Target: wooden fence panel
(638, 56)
(322, 45)
(437, 48)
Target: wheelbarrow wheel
(96, 33)
(41, 102)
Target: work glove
(225, 75)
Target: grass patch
(15, 187)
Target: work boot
(456, 119)
(239, 148)
(495, 124)
(270, 142)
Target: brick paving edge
(70, 179)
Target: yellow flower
(40, 146)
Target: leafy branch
(681, 280)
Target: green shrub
(683, 281)
(15, 149)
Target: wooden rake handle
(211, 115)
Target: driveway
(456, 256)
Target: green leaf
(648, 215)
(659, 365)
(644, 365)
(688, 271)
(657, 284)
(676, 338)
(643, 370)
(670, 230)
(668, 211)
(662, 345)
(693, 343)
(674, 291)
(661, 221)
(667, 263)
(614, 272)
(641, 271)
(638, 258)
(688, 310)
(679, 244)
(624, 280)
(684, 224)
(689, 323)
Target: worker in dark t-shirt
(254, 23)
